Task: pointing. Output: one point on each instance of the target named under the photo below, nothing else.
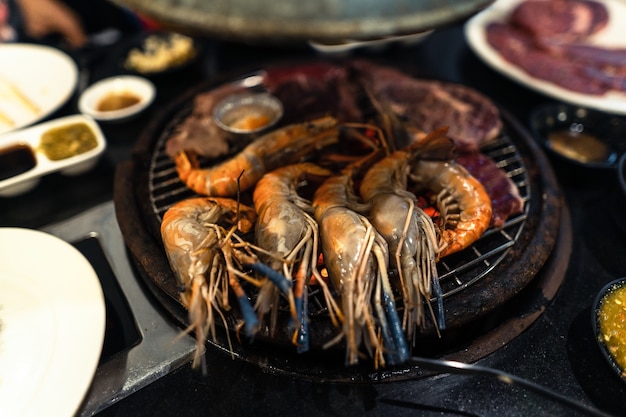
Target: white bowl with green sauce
(70, 145)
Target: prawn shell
(451, 181)
(281, 222)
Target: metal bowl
(248, 113)
(597, 311)
(581, 136)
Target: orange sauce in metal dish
(248, 117)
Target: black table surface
(557, 351)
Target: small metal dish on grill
(609, 324)
(248, 113)
(585, 137)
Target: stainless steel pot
(286, 20)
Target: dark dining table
(558, 351)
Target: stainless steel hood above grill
(314, 19)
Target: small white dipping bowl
(128, 85)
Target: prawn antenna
(238, 213)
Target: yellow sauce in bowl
(67, 141)
(612, 325)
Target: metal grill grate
(457, 272)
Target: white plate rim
(612, 102)
(46, 58)
(73, 295)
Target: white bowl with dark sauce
(70, 145)
(578, 135)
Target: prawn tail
(396, 339)
(281, 282)
(438, 293)
(396, 346)
(302, 334)
(250, 320)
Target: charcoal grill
(480, 283)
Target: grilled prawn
(289, 235)
(408, 231)
(464, 205)
(356, 258)
(280, 147)
(207, 257)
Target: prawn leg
(250, 320)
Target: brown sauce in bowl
(117, 101)
(579, 146)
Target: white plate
(45, 77)
(31, 137)
(52, 316)
(139, 87)
(611, 36)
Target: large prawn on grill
(465, 207)
(283, 146)
(408, 230)
(464, 204)
(207, 255)
(286, 230)
(356, 258)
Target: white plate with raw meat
(576, 61)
